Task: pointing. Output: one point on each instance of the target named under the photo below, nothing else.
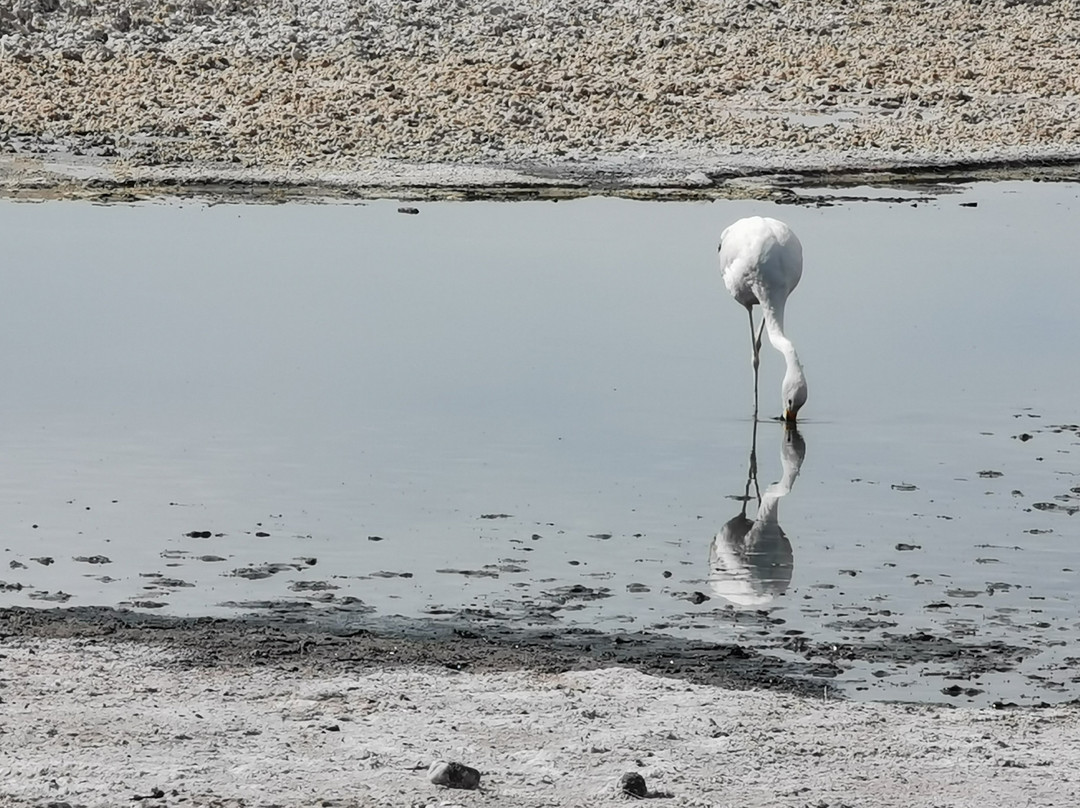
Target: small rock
(453, 775)
(94, 559)
(410, 211)
(633, 784)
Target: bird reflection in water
(750, 560)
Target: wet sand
(101, 708)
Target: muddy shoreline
(454, 645)
(471, 644)
(62, 179)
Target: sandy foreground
(98, 722)
(373, 96)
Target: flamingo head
(793, 393)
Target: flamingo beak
(789, 416)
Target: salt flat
(102, 723)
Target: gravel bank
(100, 723)
(483, 92)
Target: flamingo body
(761, 263)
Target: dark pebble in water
(564, 594)
(43, 560)
(990, 474)
(52, 597)
(16, 565)
(386, 574)
(1025, 437)
(666, 573)
(261, 534)
(466, 573)
(637, 588)
(409, 211)
(956, 690)
(308, 560)
(209, 558)
(172, 583)
(1053, 506)
(312, 586)
(633, 784)
(603, 536)
(6, 587)
(903, 487)
(375, 538)
(146, 604)
(903, 546)
(453, 775)
(198, 534)
(698, 597)
(494, 516)
(350, 601)
(94, 559)
(270, 605)
(265, 571)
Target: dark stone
(633, 784)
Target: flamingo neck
(774, 325)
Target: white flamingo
(761, 260)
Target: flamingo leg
(751, 475)
(755, 345)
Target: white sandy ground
(99, 723)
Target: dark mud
(469, 643)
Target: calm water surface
(541, 412)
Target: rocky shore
(362, 93)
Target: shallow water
(540, 412)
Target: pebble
(453, 775)
(298, 84)
(633, 784)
